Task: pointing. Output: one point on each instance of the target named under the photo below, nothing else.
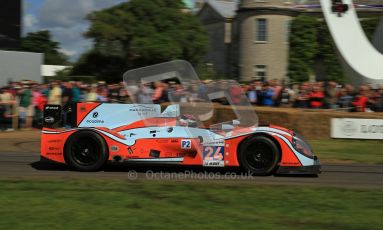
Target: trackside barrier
(312, 124)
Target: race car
(145, 134)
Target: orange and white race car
(142, 133)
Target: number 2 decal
(185, 144)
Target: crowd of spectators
(26, 99)
(317, 95)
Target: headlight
(302, 146)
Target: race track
(14, 165)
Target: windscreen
(210, 104)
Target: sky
(66, 21)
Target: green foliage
(369, 26)
(310, 41)
(178, 204)
(299, 70)
(328, 54)
(351, 151)
(104, 67)
(62, 75)
(206, 72)
(138, 33)
(303, 47)
(41, 42)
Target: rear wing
(104, 114)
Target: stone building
(218, 19)
(249, 38)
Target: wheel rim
(85, 151)
(260, 156)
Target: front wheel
(259, 156)
(86, 151)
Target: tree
(369, 26)
(303, 48)
(41, 42)
(94, 63)
(328, 55)
(311, 41)
(138, 33)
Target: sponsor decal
(53, 153)
(53, 148)
(95, 115)
(174, 140)
(95, 121)
(142, 108)
(49, 120)
(357, 128)
(82, 109)
(54, 141)
(215, 143)
(371, 128)
(185, 144)
(213, 163)
(114, 148)
(349, 128)
(289, 164)
(52, 107)
(213, 156)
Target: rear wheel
(86, 151)
(259, 156)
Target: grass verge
(139, 204)
(352, 151)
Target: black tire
(259, 156)
(86, 151)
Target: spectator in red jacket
(316, 97)
(361, 99)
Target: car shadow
(139, 168)
(49, 166)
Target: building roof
(226, 9)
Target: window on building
(261, 30)
(260, 72)
(228, 33)
(287, 30)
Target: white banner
(357, 128)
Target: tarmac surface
(26, 165)
(19, 159)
